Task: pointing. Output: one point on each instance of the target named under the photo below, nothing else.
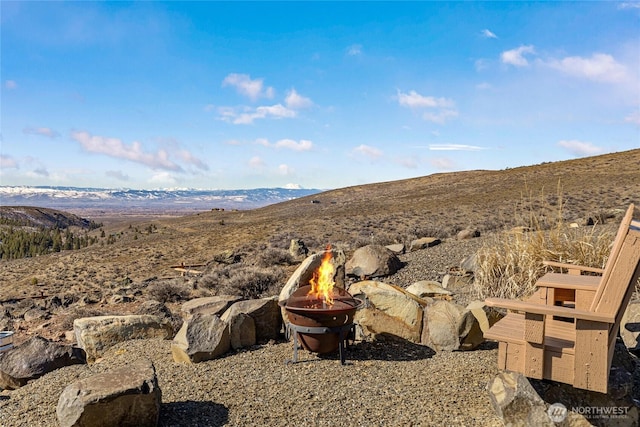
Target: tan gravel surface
(383, 384)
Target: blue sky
(320, 95)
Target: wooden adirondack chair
(567, 330)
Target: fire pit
(319, 315)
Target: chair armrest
(580, 268)
(549, 310)
(568, 281)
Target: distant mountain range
(174, 200)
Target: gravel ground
(388, 383)
(384, 384)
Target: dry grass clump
(510, 264)
(247, 281)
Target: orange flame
(322, 281)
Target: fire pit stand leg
(343, 332)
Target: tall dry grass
(510, 264)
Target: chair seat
(559, 335)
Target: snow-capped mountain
(161, 199)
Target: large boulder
(428, 288)
(373, 261)
(242, 330)
(517, 403)
(298, 249)
(34, 358)
(129, 396)
(303, 274)
(202, 337)
(388, 310)
(210, 305)
(446, 325)
(96, 334)
(265, 313)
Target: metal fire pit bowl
(321, 329)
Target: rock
(469, 264)
(423, 243)
(36, 314)
(398, 248)
(468, 233)
(630, 326)
(242, 330)
(157, 308)
(209, 305)
(427, 288)
(227, 257)
(446, 324)
(304, 273)
(265, 313)
(298, 249)
(373, 261)
(128, 396)
(517, 402)
(96, 334)
(388, 310)
(120, 299)
(34, 358)
(202, 337)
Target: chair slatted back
(621, 270)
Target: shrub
(274, 256)
(246, 281)
(168, 292)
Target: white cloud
(290, 144)
(8, 162)
(600, 67)
(408, 162)
(414, 100)
(489, 34)
(284, 169)
(633, 118)
(42, 131)
(247, 115)
(354, 50)
(119, 175)
(580, 148)
(253, 89)
(444, 107)
(442, 163)
(440, 117)
(367, 151)
(10, 84)
(256, 162)
(39, 172)
(454, 147)
(114, 147)
(296, 101)
(516, 56)
(163, 178)
(629, 5)
(292, 186)
(481, 64)
(189, 158)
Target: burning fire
(322, 281)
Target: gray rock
(373, 261)
(516, 401)
(34, 358)
(36, 314)
(630, 326)
(446, 324)
(202, 337)
(468, 233)
(209, 305)
(129, 396)
(242, 331)
(398, 248)
(157, 308)
(423, 243)
(265, 313)
(427, 288)
(96, 334)
(298, 249)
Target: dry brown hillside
(439, 205)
